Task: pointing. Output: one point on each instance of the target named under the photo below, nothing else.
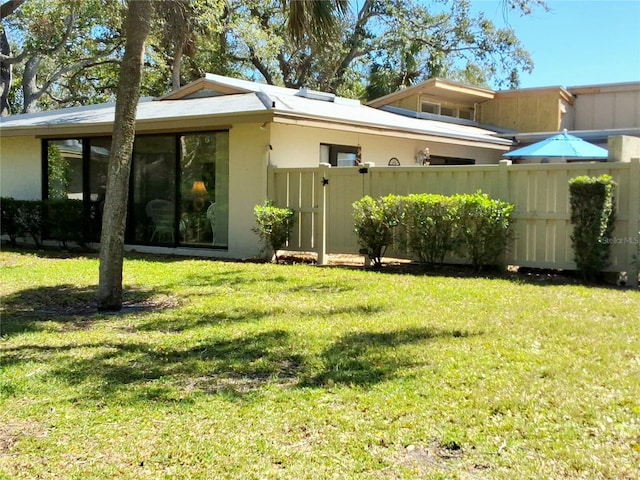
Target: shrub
(374, 221)
(30, 219)
(483, 228)
(9, 219)
(273, 226)
(429, 222)
(592, 215)
(65, 221)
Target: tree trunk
(30, 91)
(137, 26)
(5, 75)
(176, 67)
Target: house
(607, 115)
(201, 156)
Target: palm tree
(313, 20)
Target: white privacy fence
(323, 197)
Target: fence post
(503, 180)
(271, 182)
(366, 181)
(322, 214)
(634, 220)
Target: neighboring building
(594, 113)
(201, 155)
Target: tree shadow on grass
(25, 310)
(239, 368)
(141, 371)
(366, 358)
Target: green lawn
(254, 371)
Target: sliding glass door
(152, 209)
(179, 186)
(204, 193)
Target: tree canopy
(57, 54)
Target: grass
(256, 371)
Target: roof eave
(493, 142)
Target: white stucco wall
(299, 146)
(248, 157)
(20, 168)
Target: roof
(445, 89)
(260, 103)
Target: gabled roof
(247, 102)
(437, 87)
(214, 85)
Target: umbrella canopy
(561, 145)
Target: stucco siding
(248, 154)
(21, 168)
(299, 146)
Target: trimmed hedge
(483, 228)
(430, 223)
(592, 201)
(430, 227)
(375, 220)
(63, 220)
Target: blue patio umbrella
(561, 145)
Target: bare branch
(7, 8)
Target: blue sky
(578, 42)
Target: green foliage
(70, 47)
(74, 48)
(31, 219)
(273, 226)
(374, 221)
(483, 228)
(59, 172)
(63, 220)
(475, 227)
(593, 216)
(66, 221)
(430, 222)
(9, 224)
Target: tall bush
(483, 228)
(374, 221)
(593, 216)
(430, 222)
(273, 226)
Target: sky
(576, 43)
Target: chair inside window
(161, 214)
(211, 215)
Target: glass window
(428, 107)
(204, 189)
(466, 114)
(449, 111)
(64, 169)
(340, 155)
(152, 211)
(179, 191)
(99, 151)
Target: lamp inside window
(199, 191)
